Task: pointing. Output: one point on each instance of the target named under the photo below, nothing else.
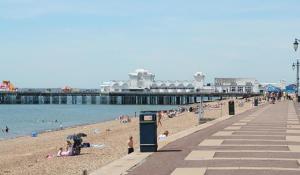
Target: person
(6, 129)
(159, 118)
(68, 151)
(163, 136)
(130, 145)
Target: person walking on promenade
(130, 145)
(159, 116)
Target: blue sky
(53, 43)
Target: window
(240, 89)
(248, 89)
(232, 88)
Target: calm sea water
(24, 119)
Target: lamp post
(296, 65)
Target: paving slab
(293, 131)
(211, 142)
(200, 155)
(293, 138)
(294, 148)
(223, 133)
(233, 128)
(189, 171)
(251, 172)
(247, 148)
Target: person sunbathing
(68, 151)
(61, 152)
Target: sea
(23, 120)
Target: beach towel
(100, 146)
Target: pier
(115, 98)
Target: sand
(27, 155)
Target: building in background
(237, 85)
(144, 80)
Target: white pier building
(144, 80)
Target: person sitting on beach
(68, 151)
(130, 145)
(163, 136)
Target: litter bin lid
(148, 112)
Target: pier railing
(128, 97)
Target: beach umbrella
(291, 88)
(81, 135)
(270, 88)
(76, 136)
(71, 137)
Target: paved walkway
(265, 140)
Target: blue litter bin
(148, 131)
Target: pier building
(240, 85)
(144, 80)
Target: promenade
(264, 140)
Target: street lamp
(296, 65)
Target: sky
(54, 43)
